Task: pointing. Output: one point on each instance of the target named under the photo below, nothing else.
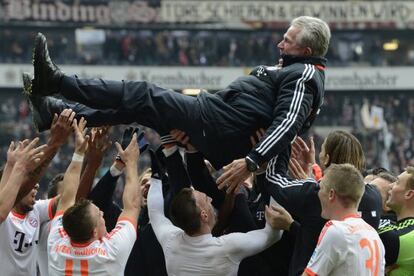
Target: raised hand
(127, 136)
(302, 158)
(278, 217)
(182, 138)
(61, 127)
(130, 154)
(13, 151)
(27, 155)
(296, 170)
(234, 175)
(254, 139)
(81, 139)
(98, 144)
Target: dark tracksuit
(285, 102)
(300, 199)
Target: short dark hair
(387, 176)
(78, 222)
(184, 212)
(375, 171)
(52, 187)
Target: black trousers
(103, 102)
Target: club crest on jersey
(33, 222)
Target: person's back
(106, 256)
(351, 244)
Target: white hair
(315, 34)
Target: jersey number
(372, 263)
(84, 269)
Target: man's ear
(308, 51)
(327, 160)
(95, 233)
(409, 194)
(332, 195)
(203, 216)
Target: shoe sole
(27, 88)
(40, 40)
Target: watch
(251, 165)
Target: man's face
(97, 214)
(289, 45)
(323, 195)
(397, 193)
(26, 204)
(384, 186)
(204, 203)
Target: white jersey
(203, 255)
(19, 237)
(348, 247)
(42, 249)
(107, 256)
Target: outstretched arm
(131, 197)
(97, 146)
(72, 175)
(59, 133)
(162, 226)
(242, 245)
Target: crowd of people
(232, 189)
(339, 110)
(199, 48)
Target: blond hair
(410, 180)
(346, 181)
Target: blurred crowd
(198, 48)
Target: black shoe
(41, 107)
(47, 76)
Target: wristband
(77, 157)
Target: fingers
(278, 208)
(262, 132)
(82, 125)
(141, 134)
(118, 147)
(179, 136)
(296, 169)
(227, 179)
(302, 144)
(311, 144)
(11, 146)
(233, 188)
(253, 141)
(32, 144)
(133, 141)
(55, 119)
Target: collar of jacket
(289, 59)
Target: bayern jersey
(348, 247)
(19, 237)
(107, 256)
